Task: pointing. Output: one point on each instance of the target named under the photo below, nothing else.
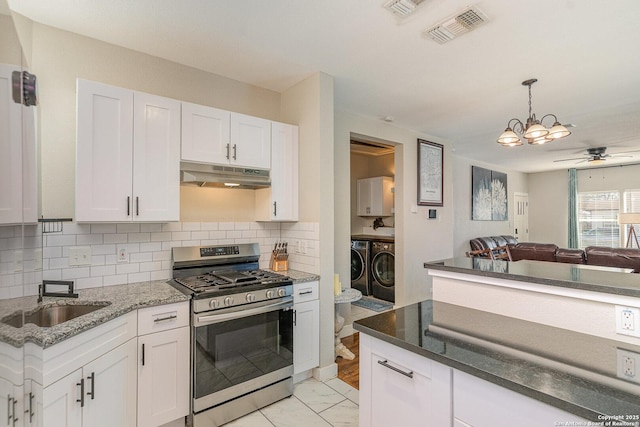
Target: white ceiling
(584, 54)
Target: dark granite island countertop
(584, 277)
(574, 372)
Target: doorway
(521, 217)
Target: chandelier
(533, 130)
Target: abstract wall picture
(488, 195)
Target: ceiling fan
(597, 155)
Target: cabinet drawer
(163, 317)
(305, 292)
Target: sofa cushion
(534, 251)
(571, 256)
(613, 257)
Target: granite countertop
(576, 276)
(299, 276)
(571, 371)
(121, 299)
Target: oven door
(240, 350)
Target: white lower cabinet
(101, 393)
(306, 328)
(400, 388)
(163, 369)
(478, 403)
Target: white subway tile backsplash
(128, 228)
(115, 238)
(149, 248)
(150, 228)
(191, 226)
(103, 228)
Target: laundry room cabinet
(214, 136)
(306, 328)
(279, 202)
(127, 155)
(375, 196)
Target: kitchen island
(435, 364)
(582, 298)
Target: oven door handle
(205, 319)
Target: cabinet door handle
(13, 412)
(142, 354)
(393, 368)
(235, 149)
(305, 293)
(81, 400)
(137, 206)
(9, 407)
(162, 319)
(227, 151)
(275, 209)
(30, 410)
(128, 205)
(92, 393)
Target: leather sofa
(592, 255)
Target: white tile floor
(314, 403)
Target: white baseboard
(325, 373)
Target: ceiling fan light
(558, 131)
(536, 131)
(508, 137)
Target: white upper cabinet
(210, 135)
(280, 201)
(127, 155)
(375, 196)
(250, 141)
(205, 134)
(18, 168)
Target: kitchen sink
(45, 317)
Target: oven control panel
(219, 251)
(241, 298)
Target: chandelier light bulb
(558, 131)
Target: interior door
(521, 217)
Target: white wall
(417, 238)
(549, 207)
(467, 229)
(310, 105)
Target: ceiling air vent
(402, 8)
(456, 25)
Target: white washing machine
(360, 266)
(383, 270)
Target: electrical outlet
(80, 255)
(628, 362)
(628, 320)
(123, 255)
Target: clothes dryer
(383, 279)
(360, 280)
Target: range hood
(223, 176)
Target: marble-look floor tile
(316, 395)
(344, 389)
(291, 412)
(254, 419)
(344, 414)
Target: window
(631, 205)
(598, 218)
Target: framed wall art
(488, 195)
(430, 176)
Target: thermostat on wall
(432, 214)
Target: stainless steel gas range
(241, 331)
